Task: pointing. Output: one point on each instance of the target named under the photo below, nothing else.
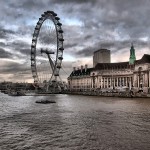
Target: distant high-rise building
(101, 56)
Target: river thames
(74, 123)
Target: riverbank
(112, 94)
(87, 93)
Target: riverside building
(105, 75)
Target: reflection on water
(74, 122)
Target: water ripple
(74, 123)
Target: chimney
(81, 68)
(86, 67)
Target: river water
(74, 123)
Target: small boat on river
(45, 101)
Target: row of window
(112, 79)
(82, 87)
(120, 79)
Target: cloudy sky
(88, 26)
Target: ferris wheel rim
(59, 35)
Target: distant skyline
(88, 26)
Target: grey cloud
(70, 45)
(19, 46)
(13, 68)
(74, 2)
(27, 4)
(115, 47)
(5, 33)
(85, 52)
(4, 54)
(2, 44)
(111, 24)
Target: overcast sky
(88, 26)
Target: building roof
(144, 59)
(104, 66)
(80, 72)
(121, 65)
(101, 66)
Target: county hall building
(106, 75)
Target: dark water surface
(74, 123)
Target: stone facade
(112, 75)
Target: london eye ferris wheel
(47, 49)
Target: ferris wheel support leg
(51, 62)
(52, 66)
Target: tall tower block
(101, 56)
